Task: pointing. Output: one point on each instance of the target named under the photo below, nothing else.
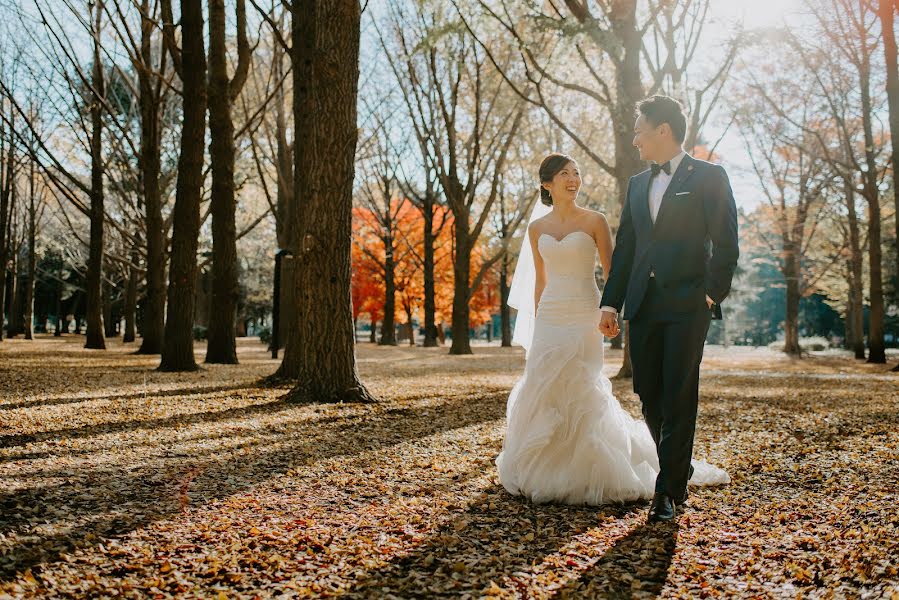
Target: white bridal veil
(524, 280)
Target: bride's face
(566, 183)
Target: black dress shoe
(662, 508)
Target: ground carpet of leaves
(119, 481)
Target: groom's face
(647, 138)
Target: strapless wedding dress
(567, 437)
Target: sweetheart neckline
(566, 235)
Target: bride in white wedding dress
(568, 439)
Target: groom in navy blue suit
(675, 255)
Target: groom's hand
(608, 324)
(709, 301)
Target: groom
(674, 258)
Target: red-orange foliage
(368, 267)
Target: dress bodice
(570, 265)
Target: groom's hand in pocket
(608, 324)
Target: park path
(116, 480)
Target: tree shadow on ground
(488, 542)
(149, 394)
(119, 498)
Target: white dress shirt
(657, 188)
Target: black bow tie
(655, 167)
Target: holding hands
(608, 324)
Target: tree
(597, 52)
(470, 119)
(94, 333)
(847, 25)
(153, 90)
(325, 62)
(221, 347)
(379, 165)
(886, 11)
(190, 63)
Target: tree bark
(14, 324)
(31, 271)
(856, 277)
(109, 321)
(94, 334)
(461, 285)
(791, 320)
(222, 332)
(7, 202)
(876, 343)
(284, 160)
(178, 345)
(886, 9)
(430, 302)
(325, 55)
(505, 313)
(388, 326)
(131, 299)
(153, 303)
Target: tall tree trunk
(325, 54)
(388, 327)
(222, 331)
(629, 91)
(887, 9)
(109, 321)
(285, 218)
(791, 320)
(876, 343)
(505, 313)
(94, 334)
(178, 345)
(153, 304)
(410, 328)
(856, 277)
(430, 307)
(14, 325)
(131, 298)
(461, 286)
(60, 318)
(6, 203)
(31, 269)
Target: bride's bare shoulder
(596, 219)
(536, 226)
(594, 214)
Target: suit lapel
(684, 170)
(642, 203)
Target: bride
(567, 437)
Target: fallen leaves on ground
(119, 481)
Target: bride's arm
(603, 237)
(539, 271)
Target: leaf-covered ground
(118, 481)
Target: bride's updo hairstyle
(551, 165)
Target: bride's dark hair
(551, 165)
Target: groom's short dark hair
(665, 109)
